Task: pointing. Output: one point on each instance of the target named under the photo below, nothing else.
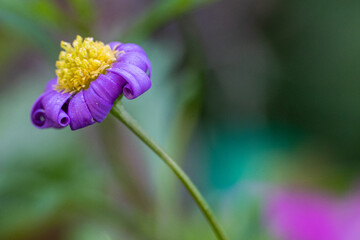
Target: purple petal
(79, 112)
(109, 86)
(135, 58)
(137, 80)
(53, 103)
(98, 107)
(114, 45)
(64, 119)
(130, 47)
(38, 116)
(47, 110)
(50, 84)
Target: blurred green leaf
(30, 31)
(159, 14)
(84, 10)
(44, 13)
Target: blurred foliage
(162, 12)
(317, 51)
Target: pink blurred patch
(294, 215)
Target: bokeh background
(258, 100)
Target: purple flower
(90, 77)
(313, 216)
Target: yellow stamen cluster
(82, 63)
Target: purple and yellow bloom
(90, 77)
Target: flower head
(82, 63)
(90, 77)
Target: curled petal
(53, 103)
(98, 107)
(137, 80)
(135, 58)
(78, 112)
(64, 119)
(38, 116)
(47, 110)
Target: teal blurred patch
(246, 154)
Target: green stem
(120, 113)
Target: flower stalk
(121, 114)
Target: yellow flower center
(82, 63)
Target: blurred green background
(248, 96)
